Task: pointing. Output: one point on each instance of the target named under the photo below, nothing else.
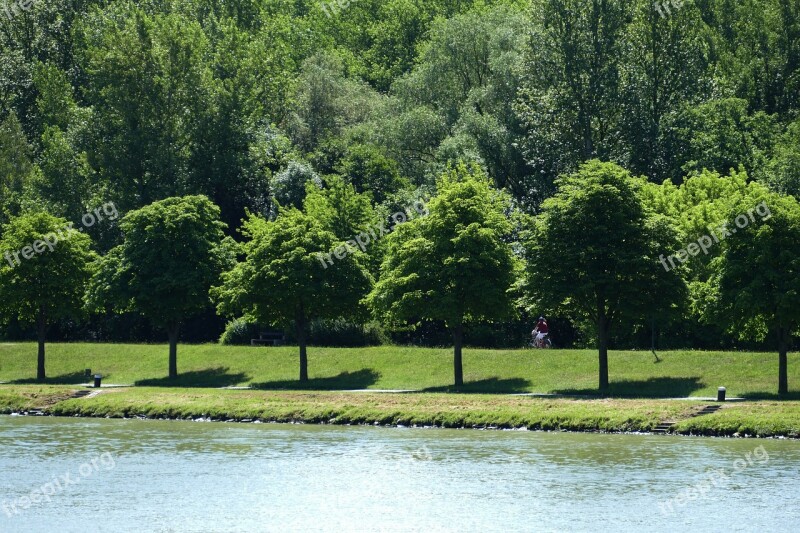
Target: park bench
(268, 338)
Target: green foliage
(783, 172)
(50, 283)
(466, 237)
(240, 331)
(593, 254)
(16, 168)
(339, 208)
(369, 170)
(758, 280)
(282, 276)
(290, 185)
(464, 233)
(44, 273)
(286, 279)
(720, 135)
(172, 252)
(247, 102)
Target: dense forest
(353, 111)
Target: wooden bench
(268, 338)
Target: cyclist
(540, 332)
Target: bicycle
(541, 344)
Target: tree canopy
(171, 254)
(465, 237)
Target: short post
(97, 379)
(721, 394)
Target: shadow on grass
(209, 378)
(74, 378)
(344, 381)
(758, 395)
(649, 388)
(486, 386)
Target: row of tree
(243, 100)
(592, 254)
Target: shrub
(239, 331)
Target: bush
(338, 333)
(240, 331)
(341, 333)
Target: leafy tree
(759, 276)
(172, 253)
(294, 271)
(468, 73)
(327, 101)
(16, 168)
(339, 207)
(149, 84)
(454, 265)
(759, 48)
(665, 67)
(45, 267)
(369, 170)
(783, 171)
(571, 94)
(290, 185)
(721, 135)
(593, 254)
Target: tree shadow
(760, 395)
(664, 387)
(486, 386)
(209, 378)
(73, 378)
(344, 381)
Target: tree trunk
(783, 347)
(41, 332)
(458, 342)
(300, 325)
(173, 331)
(602, 341)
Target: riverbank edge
(627, 422)
(344, 423)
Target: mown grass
(762, 418)
(633, 374)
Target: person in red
(540, 331)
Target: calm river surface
(131, 475)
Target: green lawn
(762, 418)
(680, 373)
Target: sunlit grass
(680, 373)
(762, 418)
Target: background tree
(571, 93)
(43, 274)
(759, 275)
(454, 265)
(286, 279)
(172, 252)
(593, 254)
(16, 168)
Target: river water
(131, 475)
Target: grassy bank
(680, 373)
(765, 418)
